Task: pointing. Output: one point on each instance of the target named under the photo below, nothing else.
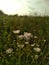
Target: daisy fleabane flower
(10, 50)
(37, 49)
(16, 31)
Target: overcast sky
(22, 7)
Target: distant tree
(1, 12)
(15, 15)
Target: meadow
(24, 40)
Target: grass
(24, 54)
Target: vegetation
(24, 40)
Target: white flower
(27, 35)
(32, 45)
(20, 36)
(10, 50)
(36, 56)
(44, 40)
(26, 42)
(9, 55)
(16, 31)
(18, 45)
(37, 49)
(22, 45)
(37, 45)
(35, 37)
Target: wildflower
(9, 55)
(18, 45)
(16, 31)
(32, 45)
(35, 37)
(44, 40)
(21, 37)
(22, 46)
(37, 49)
(27, 35)
(36, 56)
(10, 50)
(26, 42)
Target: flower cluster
(27, 43)
(9, 50)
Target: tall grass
(22, 51)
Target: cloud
(24, 6)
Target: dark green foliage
(38, 26)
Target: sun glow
(12, 6)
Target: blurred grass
(38, 26)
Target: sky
(25, 7)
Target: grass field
(24, 40)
